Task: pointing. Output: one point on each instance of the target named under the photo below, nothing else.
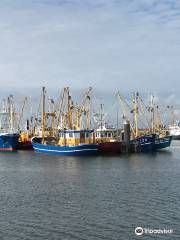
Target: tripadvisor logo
(139, 231)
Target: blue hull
(144, 143)
(147, 147)
(161, 143)
(9, 141)
(84, 149)
(152, 143)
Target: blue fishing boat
(149, 143)
(143, 143)
(161, 142)
(69, 142)
(8, 134)
(64, 140)
(8, 141)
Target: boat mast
(135, 102)
(117, 117)
(171, 115)
(43, 114)
(70, 109)
(10, 110)
(101, 116)
(84, 108)
(126, 109)
(21, 113)
(87, 101)
(4, 111)
(152, 114)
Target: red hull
(27, 145)
(8, 149)
(110, 147)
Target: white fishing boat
(174, 130)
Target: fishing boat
(69, 142)
(149, 143)
(174, 124)
(174, 131)
(8, 141)
(106, 140)
(24, 142)
(8, 134)
(105, 135)
(162, 137)
(25, 130)
(161, 142)
(142, 143)
(154, 136)
(68, 138)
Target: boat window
(87, 135)
(70, 135)
(77, 135)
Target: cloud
(126, 45)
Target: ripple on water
(54, 197)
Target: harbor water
(89, 198)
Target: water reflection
(102, 197)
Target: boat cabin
(105, 135)
(75, 137)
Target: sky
(107, 44)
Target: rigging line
(38, 112)
(144, 113)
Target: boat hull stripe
(68, 151)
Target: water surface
(93, 198)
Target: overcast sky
(107, 44)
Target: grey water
(94, 198)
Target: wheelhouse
(75, 137)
